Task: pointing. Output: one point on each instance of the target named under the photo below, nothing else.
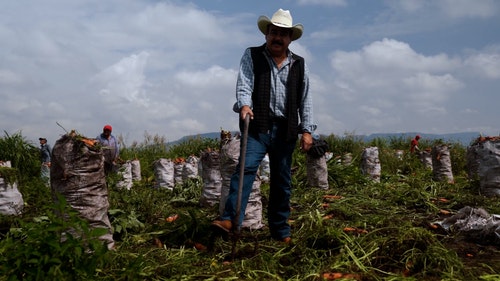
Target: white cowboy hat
(281, 18)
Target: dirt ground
(478, 259)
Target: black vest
(261, 95)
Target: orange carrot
(172, 218)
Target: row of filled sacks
(214, 168)
(130, 171)
(438, 159)
(209, 167)
(171, 172)
(11, 200)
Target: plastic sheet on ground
(474, 223)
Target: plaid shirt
(244, 89)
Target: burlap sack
(77, 173)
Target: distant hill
(464, 138)
(212, 135)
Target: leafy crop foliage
(357, 229)
(51, 247)
(23, 155)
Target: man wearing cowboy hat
(273, 89)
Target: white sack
(441, 164)
(11, 200)
(164, 173)
(178, 168)
(136, 170)
(317, 172)
(211, 177)
(125, 173)
(191, 168)
(370, 163)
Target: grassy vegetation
(356, 230)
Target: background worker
(45, 158)
(414, 144)
(111, 149)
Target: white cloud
(211, 77)
(388, 84)
(393, 67)
(485, 64)
(428, 89)
(370, 110)
(395, 56)
(188, 125)
(8, 77)
(124, 82)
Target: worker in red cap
(111, 149)
(414, 144)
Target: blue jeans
(280, 162)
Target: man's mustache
(277, 42)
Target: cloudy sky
(169, 68)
